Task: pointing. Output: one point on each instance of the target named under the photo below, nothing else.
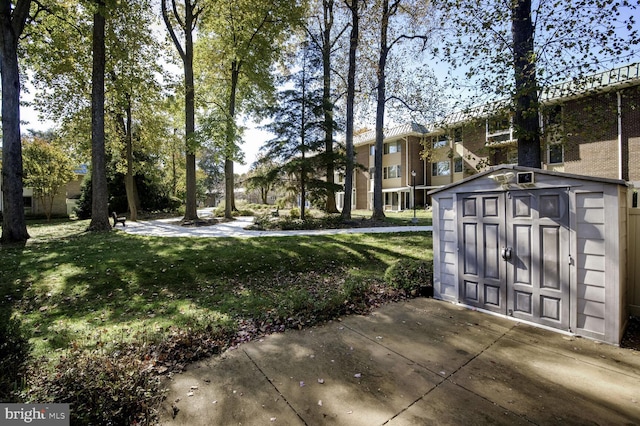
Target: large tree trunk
(351, 94)
(378, 210)
(100, 197)
(14, 228)
(229, 184)
(191, 212)
(327, 104)
(525, 119)
(129, 182)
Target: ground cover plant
(265, 220)
(97, 318)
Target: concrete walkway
(169, 228)
(421, 362)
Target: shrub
(15, 349)
(294, 213)
(355, 289)
(101, 389)
(410, 274)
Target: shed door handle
(506, 253)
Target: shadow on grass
(73, 289)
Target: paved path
(423, 362)
(169, 228)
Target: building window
(441, 168)
(372, 150)
(28, 202)
(457, 134)
(556, 153)
(554, 115)
(391, 172)
(499, 129)
(440, 142)
(393, 147)
(457, 165)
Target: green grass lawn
(81, 293)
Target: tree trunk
(378, 210)
(14, 228)
(100, 197)
(129, 182)
(327, 104)
(525, 121)
(191, 212)
(229, 184)
(351, 93)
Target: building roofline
(401, 131)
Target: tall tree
(321, 32)
(395, 25)
(244, 38)
(134, 91)
(515, 50)
(298, 126)
(13, 20)
(100, 194)
(184, 18)
(351, 94)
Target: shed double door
(513, 254)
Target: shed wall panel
(590, 267)
(445, 283)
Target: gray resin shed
(544, 247)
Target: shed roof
(515, 169)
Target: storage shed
(545, 247)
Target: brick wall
(631, 132)
(591, 136)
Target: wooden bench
(117, 219)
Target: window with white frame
(555, 153)
(457, 134)
(457, 165)
(392, 147)
(499, 128)
(441, 168)
(372, 150)
(440, 142)
(391, 172)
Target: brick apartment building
(590, 127)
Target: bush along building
(590, 127)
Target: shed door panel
(482, 271)
(537, 273)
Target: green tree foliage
(47, 170)
(241, 41)
(60, 57)
(263, 177)
(515, 50)
(298, 126)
